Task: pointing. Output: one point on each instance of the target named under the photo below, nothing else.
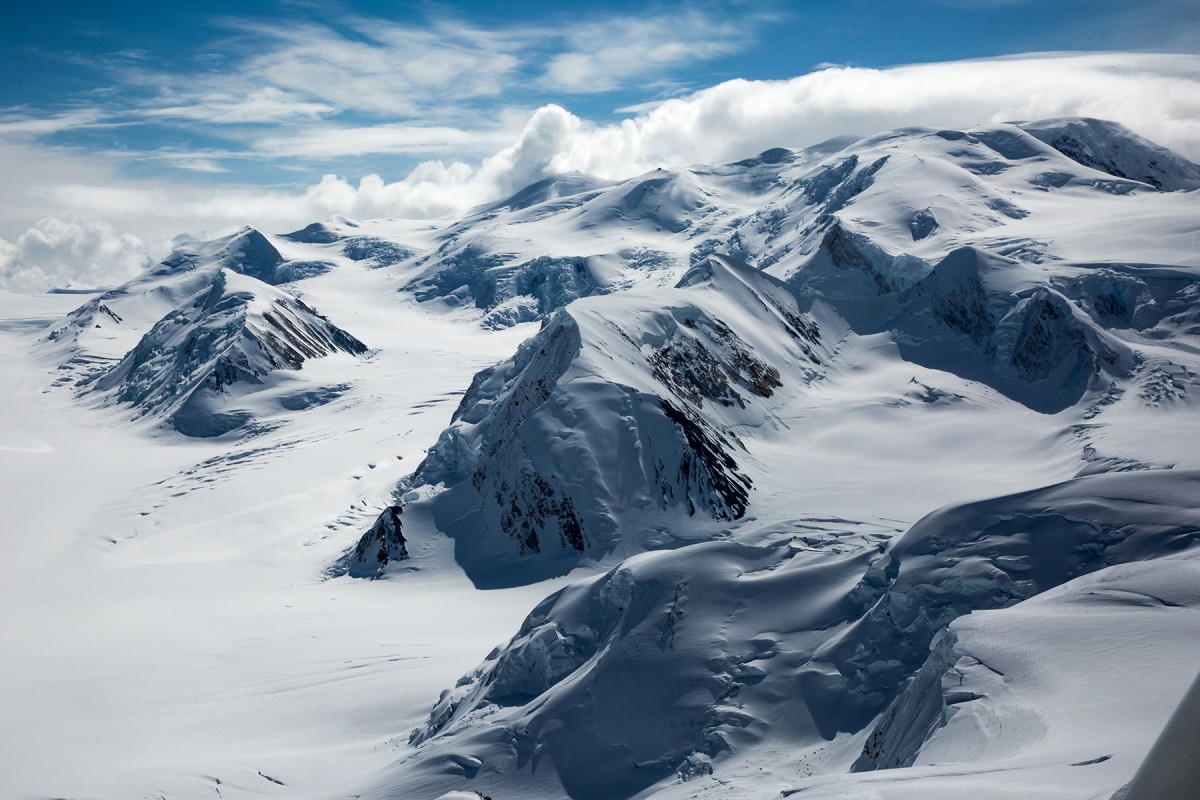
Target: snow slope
(673, 659)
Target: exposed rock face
(383, 544)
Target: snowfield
(862, 471)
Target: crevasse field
(869, 470)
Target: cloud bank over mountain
(1158, 95)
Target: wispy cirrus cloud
(602, 55)
(27, 123)
(382, 68)
(326, 142)
(228, 107)
(385, 87)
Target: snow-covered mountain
(620, 412)
(861, 470)
(226, 327)
(633, 404)
(931, 244)
(235, 331)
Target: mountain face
(642, 418)
(636, 400)
(1109, 147)
(225, 327)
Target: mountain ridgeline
(808, 442)
(639, 404)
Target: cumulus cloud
(432, 189)
(57, 253)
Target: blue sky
(159, 89)
(156, 119)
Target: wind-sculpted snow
(619, 408)
(235, 331)
(672, 661)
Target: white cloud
(609, 53)
(56, 253)
(431, 73)
(14, 123)
(1156, 95)
(344, 141)
(368, 65)
(434, 188)
(267, 104)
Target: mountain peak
(1114, 149)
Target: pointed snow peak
(1114, 149)
(713, 269)
(251, 253)
(551, 188)
(248, 251)
(234, 330)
